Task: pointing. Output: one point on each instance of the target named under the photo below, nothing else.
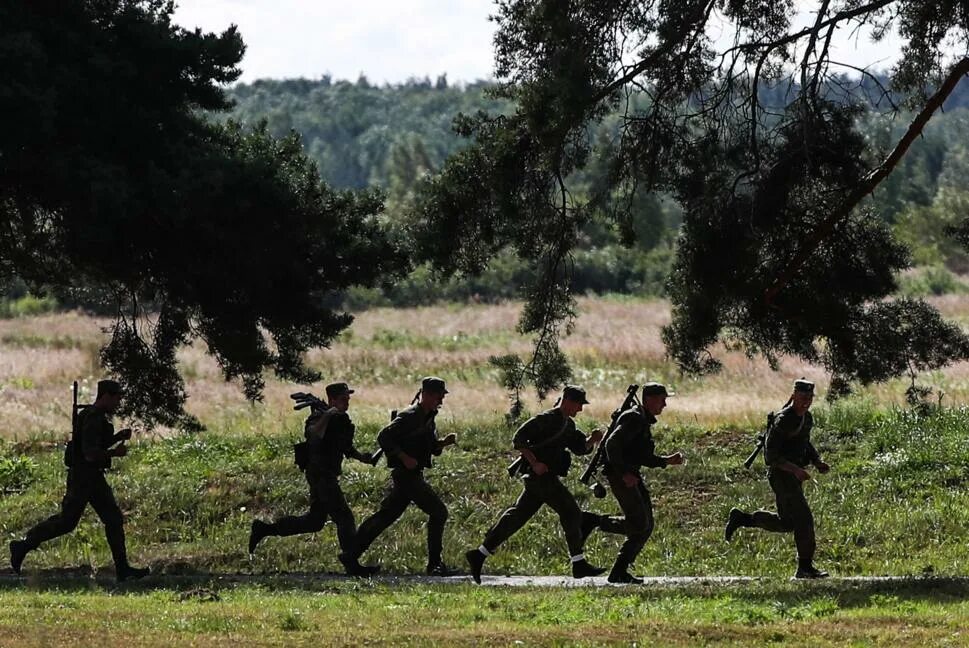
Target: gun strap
(552, 439)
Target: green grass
(284, 612)
(895, 502)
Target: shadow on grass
(847, 594)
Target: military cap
(338, 389)
(656, 389)
(109, 387)
(805, 386)
(433, 384)
(575, 394)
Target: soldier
(543, 441)
(787, 450)
(93, 444)
(629, 447)
(409, 442)
(330, 439)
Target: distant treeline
(390, 136)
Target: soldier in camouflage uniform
(330, 438)
(628, 448)
(787, 450)
(544, 441)
(93, 444)
(409, 442)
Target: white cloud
(386, 40)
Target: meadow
(894, 503)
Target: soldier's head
(573, 398)
(654, 398)
(109, 395)
(338, 395)
(432, 393)
(803, 396)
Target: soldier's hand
(450, 439)
(802, 475)
(630, 480)
(596, 436)
(409, 462)
(539, 468)
(822, 466)
(676, 459)
(123, 435)
(120, 451)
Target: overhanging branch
(872, 180)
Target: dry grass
(614, 343)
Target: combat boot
(18, 551)
(353, 567)
(440, 569)
(624, 577)
(806, 569)
(582, 569)
(735, 520)
(476, 561)
(258, 531)
(127, 572)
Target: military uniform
(322, 475)
(550, 435)
(329, 437)
(788, 441)
(86, 484)
(627, 449)
(414, 433)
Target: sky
(389, 40)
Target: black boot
(18, 551)
(440, 569)
(620, 573)
(806, 569)
(353, 567)
(258, 531)
(582, 569)
(476, 560)
(735, 520)
(127, 572)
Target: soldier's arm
(651, 459)
(389, 437)
(345, 433)
(90, 437)
(524, 438)
(774, 445)
(616, 443)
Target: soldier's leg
(782, 483)
(105, 505)
(798, 513)
(428, 501)
(638, 521)
(392, 506)
(310, 522)
(561, 500)
(513, 518)
(72, 507)
(335, 503)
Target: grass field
(895, 503)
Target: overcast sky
(388, 40)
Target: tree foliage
(760, 142)
(113, 177)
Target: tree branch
(872, 180)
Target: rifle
(75, 409)
(393, 414)
(762, 438)
(598, 490)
